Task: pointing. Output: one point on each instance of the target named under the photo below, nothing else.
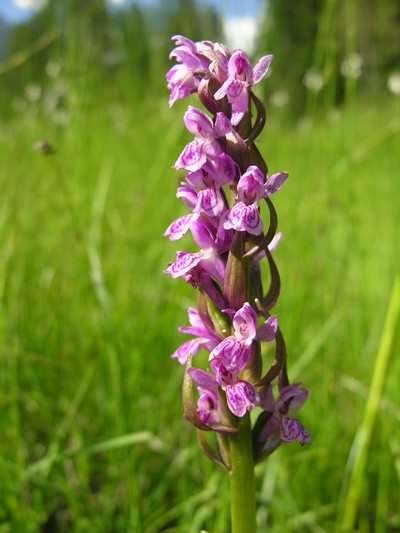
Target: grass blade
(359, 451)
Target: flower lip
(251, 185)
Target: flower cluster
(226, 184)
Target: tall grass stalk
(359, 452)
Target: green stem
(243, 493)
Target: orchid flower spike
(231, 220)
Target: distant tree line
(120, 52)
(327, 49)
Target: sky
(14, 11)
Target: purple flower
(184, 262)
(210, 202)
(225, 181)
(181, 81)
(208, 402)
(267, 331)
(207, 407)
(188, 194)
(275, 182)
(224, 170)
(245, 324)
(207, 257)
(251, 185)
(195, 60)
(178, 227)
(195, 154)
(241, 397)
(240, 78)
(205, 338)
(205, 145)
(290, 399)
(200, 125)
(198, 277)
(219, 57)
(230, 355)
(184, 78)
(221, 170)
(244, 215)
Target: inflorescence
(226, 183)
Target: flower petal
(239, 67)
(239, 107)
(178, 228)
(184, 262)
(188, 195)
(192, 157)
(222, 125)
(241, 397)
(211, 202)
(202, 378)
(243, 217)
(275, 182)
(202, 234)
(267, 331)
(230, 352)
(198, 123)
(291, 398)
(251, 185)
(292, 429)
(245, 323)
(226, 169)
(189, 347)
(261, 68)
(267, 400)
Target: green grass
(92, 435)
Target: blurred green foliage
(92, 435)
(328, 49)
(107, 49)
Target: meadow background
(92, 436)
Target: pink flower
(184, 78)
(244, 215)
(289, 428)
(204, 338)
(240, 78)
(208, 402)
(205, 146)
(241, 397)
(206, 237)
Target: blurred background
(92, 434)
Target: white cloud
(241, 32)
(30, 4)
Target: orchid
(204, 337)
(183, 79)
(227, 188)
(205, 145)
(240, 78)
(290, 399)
(244, 215)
